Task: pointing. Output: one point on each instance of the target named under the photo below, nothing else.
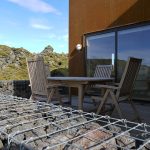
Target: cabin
(108, 32)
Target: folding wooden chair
(103, 71)
(38, 73)
(124, 90)
(47, 70)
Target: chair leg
(116, 103)
(32, 97)
(135, 110)
(50, 95)
(59, 97)
(103, 101)
(69, 96)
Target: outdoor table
(78, 82)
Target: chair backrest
(47, 70)
(37, 75)
(103, 71)
(129, 76)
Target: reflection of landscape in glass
(131, 43)
(99, 51)
(91, 63)
(135, 43)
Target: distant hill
(13, 62)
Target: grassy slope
(12, 72)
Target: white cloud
(40, 26)
(36, 6)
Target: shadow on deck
(142, 107)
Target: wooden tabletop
(79, 79)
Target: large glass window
(135, 42)
(99, 51)
(119, 44)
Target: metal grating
(27, 125)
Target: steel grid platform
(30, 125)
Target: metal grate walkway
(27, 125)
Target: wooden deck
(142, 107)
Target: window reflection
(99, 51)
(135, 43)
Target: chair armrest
(116, 84)
(107, 87)
(52, 86)
(112, 84)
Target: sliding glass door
(115, 47)
(135, 42)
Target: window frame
(110, 30)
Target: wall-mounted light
(78, 47)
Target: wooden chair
(47, 71)
(55, 91)
(124, 90)
(38, 73)
(103, 71)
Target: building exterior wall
(95, 15)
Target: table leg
(80, 97)
(69, 96)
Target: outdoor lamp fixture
(78, 47)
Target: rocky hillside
(13, 62)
